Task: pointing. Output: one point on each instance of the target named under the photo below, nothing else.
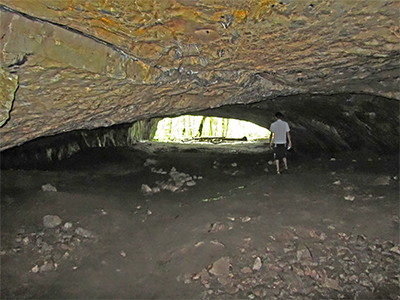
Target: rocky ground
(214, 222)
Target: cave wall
(44, 151)
(320, 125)
(328, 123)
(69, 65)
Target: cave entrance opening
(207, 129)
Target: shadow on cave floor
(230, 228)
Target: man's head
(279, 115)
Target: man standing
(280, 135)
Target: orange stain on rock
(106, 20)
(240, 14)
(140, 31)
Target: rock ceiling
(82, 64)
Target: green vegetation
(142, 130)
(189, 127)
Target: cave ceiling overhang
(80, 64)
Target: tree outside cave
(190, 127)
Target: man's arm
(289, 139)
(271, 139)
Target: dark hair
(279, 115)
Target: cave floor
(328, 229)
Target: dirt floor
(222, 225)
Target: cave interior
(92, 207)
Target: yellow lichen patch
(263, 8)
(240, 15)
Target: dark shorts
(280, 151)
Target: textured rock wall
(319, 124)
(86, 64)
(47, 150)
(9, 84)
(41, 151)
(329, 123)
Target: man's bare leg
(277, 166)
(285, 163)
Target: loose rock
(67, 225)
(382, 180)
(51, 221)
(304, 254)
(245, 219)
(84, 233)
(46, 267)
(257, 264)
(35, 269)
(177, 182)
(349, 198)
(331, 284)
(49, 188)
(146, 189)
(220, 267)
(395, 249)
(150, 162)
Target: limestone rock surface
(9, 83)
(87, 64)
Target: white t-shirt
(279, 128)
